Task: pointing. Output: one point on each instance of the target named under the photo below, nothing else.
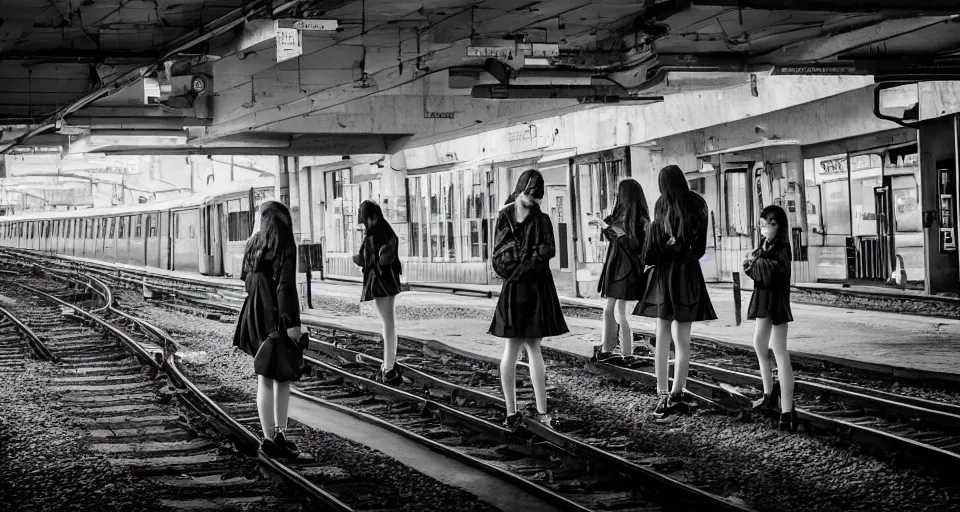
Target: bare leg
(784, 368)
(609, 326)
(761, 344)
(626, 334)
(681, 337)
(508, 373)
(662, 354)
(281, 397)
(385, 308)
(538, 372)
(265, 407)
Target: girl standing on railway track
(676, 294)
(381, 266)
(769, 267)
(623, 276)
(269, 324)
(528, 309)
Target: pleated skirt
(385, 283)
(677, 291)
(773, 304)
(529, 309)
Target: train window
(238, 220)
(138, 226)
(120, 225)
(193, 233)
(153, 225)
(113, 229)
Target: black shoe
(282, 442)
(631, 361)
(608, 357)
(677, 404)
(391, 377)
(547, 420)
(270, 449)
(762, 403)
(514, 422)
(789, 421)
(663, 404)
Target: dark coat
(272, 305)
(677, 290)
(528, 306)
(381, 266)
(770, 271)
(623, 275)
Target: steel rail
(237, 431)
(33, 340)
(449, 413)
(715, 395)
(655, 481)
(127, 340)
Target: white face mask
(769, 231)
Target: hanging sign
(311, 25)
(289, 43)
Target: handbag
(280, 357)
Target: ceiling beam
(846, 6)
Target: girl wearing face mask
(769, 267)
(622, 277)
(528, 309)
(677, 295)
(268, 327)
(381, 281)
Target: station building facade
(852, 184)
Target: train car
(201, 233)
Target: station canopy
(203, 75)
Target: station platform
(923, 344)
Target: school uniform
(677, 290)
(622, 276)
(770, 272)
(381, 265)
(270, 308)
(528, 306)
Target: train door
(151, 242)
(208, 242)
(736, 238)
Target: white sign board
(500, 52)
(289, 44)
(326, 25)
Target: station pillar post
(288, 192)
(937, 142)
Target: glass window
(113, 229)
(597, 188)
(828, 192)
(138, 226)
(342, 201)
(152, 222)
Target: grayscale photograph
(478, 256)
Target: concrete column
(282, 190)
(937, 142)
(393, 202)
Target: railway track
(543, 462)
(908, 426)
(143, 414)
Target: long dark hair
(631, 207)
(381, 230)
(776, 214)
(531, 182)
(678, 208)
(276, 227)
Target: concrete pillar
(393, 201)
(937, 142)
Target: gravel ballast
(748, 458)
(387, 484)
(44, 463)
